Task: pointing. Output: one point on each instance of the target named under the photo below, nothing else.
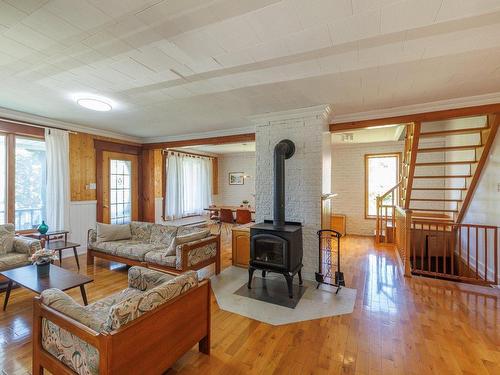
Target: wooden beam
(100, 145)
(8, 127)
(249, 137)
(494, 123)
(418, 117)
(413, 160)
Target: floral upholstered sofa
(175, 249)
(15, 251)
(143, 329)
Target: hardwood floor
(399, 326)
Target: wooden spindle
(477, 252)
(495, 251)
(485, 254)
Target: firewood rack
(329, 259)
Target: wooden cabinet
(241, 245)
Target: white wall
(233, 195)
(82, 216)
(348, 181)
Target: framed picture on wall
(236, 178)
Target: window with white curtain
(189, 185)
(3, 179)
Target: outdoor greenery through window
(3, 179)
(30, 180)
(381, 174)
(121, 188)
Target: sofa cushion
(141, 231)
(7, 234)
(161, 258)
(112, 246)
(192, 229)
(162, 234)
(187, 236)
(101, 308)
(113, 232)
(13, 260)
(132, 308)
(135, 251)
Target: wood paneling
(10, 127)
(82, 171)
(418, 117)
(151, 182)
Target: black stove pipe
(282, 151)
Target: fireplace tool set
(329, 259)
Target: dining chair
(243, 216)
(226, 217)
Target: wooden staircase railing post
(413, 159)
(407, 243)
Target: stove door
(267, 250)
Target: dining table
(232, 208)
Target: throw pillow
(113, 232)
(162, 234)
(7, 234)
(179, 240)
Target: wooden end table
(49, 236)
(61, 245)
(58, 278)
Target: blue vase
(43, 228)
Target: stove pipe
(282, 151)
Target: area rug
(313, 304)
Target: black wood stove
(276, 246)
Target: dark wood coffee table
(61, 245)
(58, 278)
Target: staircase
(422, 215)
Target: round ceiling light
(95, 104)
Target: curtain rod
(188, 153)
(35, 125)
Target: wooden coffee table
(58, 278)
(60, 245)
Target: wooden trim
(413, 160)
(367, 156)
(449, 148)
(11, 178)
(494, 123)
(418, 117)
(249, 137)
(123, 148)
(452, 132)
(18, 129)
(106, 146)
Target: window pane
(382, 176)
(30, 183)
(3, 179)
(120, 191)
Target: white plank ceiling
(176, 67)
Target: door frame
(102, 146)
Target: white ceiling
(229, 148)
(188, 66)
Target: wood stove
(276, 246)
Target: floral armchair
(147, 326)
(15, 250)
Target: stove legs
(300, 277)
(289, 283)
(251, 270)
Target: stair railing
(384, 227)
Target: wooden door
(120, 187)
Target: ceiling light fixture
(95, 104)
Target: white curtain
(57, 146)
(189, 185)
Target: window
(3, 180)
(188, 185)
(120, 191)
(30, 181)
(381, 174)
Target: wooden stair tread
(435, 200)
(445, 176)
(453, 132)
(450, 148)
(432, 210)
(439, 188)
(430, 164)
